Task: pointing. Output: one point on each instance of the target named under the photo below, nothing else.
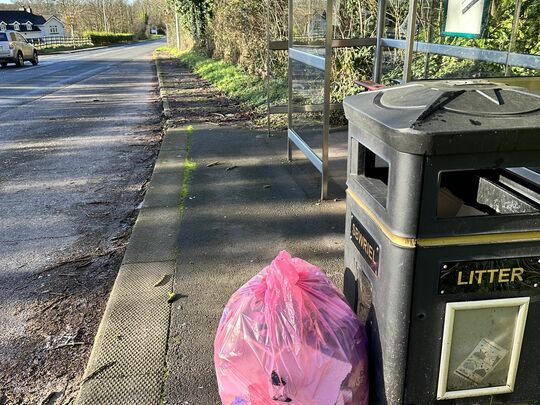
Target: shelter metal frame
(507, 58)
(323, 64)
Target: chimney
(29, 10)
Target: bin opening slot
(485, 192)
(373, 173)
(375, 167)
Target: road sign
(465, 18)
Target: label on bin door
(366, 245)
(485, 357)
(483, 276)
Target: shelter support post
(411, 32)
(381, 16)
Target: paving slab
(140, 389)
(245, 203)
(154, 236)
(162, 191)
(174, 140)
(127, 360)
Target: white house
(53, 26)
(317, 25)
(30, 25)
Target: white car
(14, 48)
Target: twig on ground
(161, 280)
(118, 237)
(68, 344)
(55, 302)
(87, 259)
(63, 263)
(98, 370)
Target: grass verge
(230, 79)
(54, 49)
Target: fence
(55, 42)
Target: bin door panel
(467, 308)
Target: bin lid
(448, 117)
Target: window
(29, 26)
(16, 26)
(20, 38)
(3, 37)
(54, 29)
(2, 26)
(12, 36)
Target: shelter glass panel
(506, 26)
(309, 126)
(277, 79)
(308, 94)
(355, 19)
(433, 66)
(307, 83)
(392, 66)
(309, 25)
(460, 39)
(277, 25)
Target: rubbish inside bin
(288, 336)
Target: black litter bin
(443, 241)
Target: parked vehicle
(14, 48)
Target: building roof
(49, 16)
(10, 16)
(22, 28)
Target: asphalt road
(73, 133)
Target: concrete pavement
(235, 223)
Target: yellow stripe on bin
(485, 239)
(395, 239)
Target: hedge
(107, 38)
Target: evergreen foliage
(99, 38)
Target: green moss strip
(189, 168)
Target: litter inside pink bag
(288, 336)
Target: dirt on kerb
(63, 303)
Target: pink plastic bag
(288, 336)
